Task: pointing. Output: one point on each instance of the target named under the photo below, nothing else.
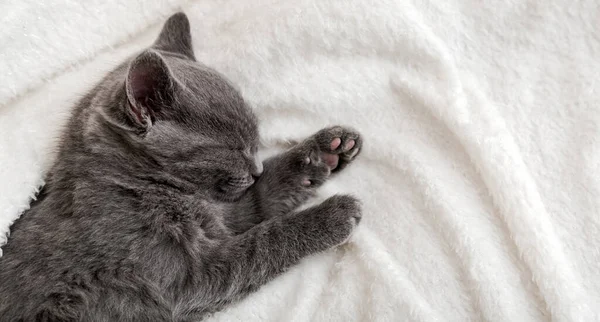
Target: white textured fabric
(42, 38)
(479, 174)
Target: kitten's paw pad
(335, 143)
(309, 168)
(331, 160)
(339, 146)
(306, 182)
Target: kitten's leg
(290, 178)
(251, 259)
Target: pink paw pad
(335, 143)
(330, 159)
(349, 145)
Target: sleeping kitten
(157, 210)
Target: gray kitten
(156, 209)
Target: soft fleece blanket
(479, 174)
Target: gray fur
(156, 210)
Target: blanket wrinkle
(533, 235)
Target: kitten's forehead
(210, 105)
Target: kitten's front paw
(334, 220)
(338, 146)
(312, 170)
(328, 151)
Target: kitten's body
(151, 212)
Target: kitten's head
(180, 118)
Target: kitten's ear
(149, 86)
(176, 37)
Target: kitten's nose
(258, 167)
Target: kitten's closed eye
(234, 187)
(242, 182)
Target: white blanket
(479, 174)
